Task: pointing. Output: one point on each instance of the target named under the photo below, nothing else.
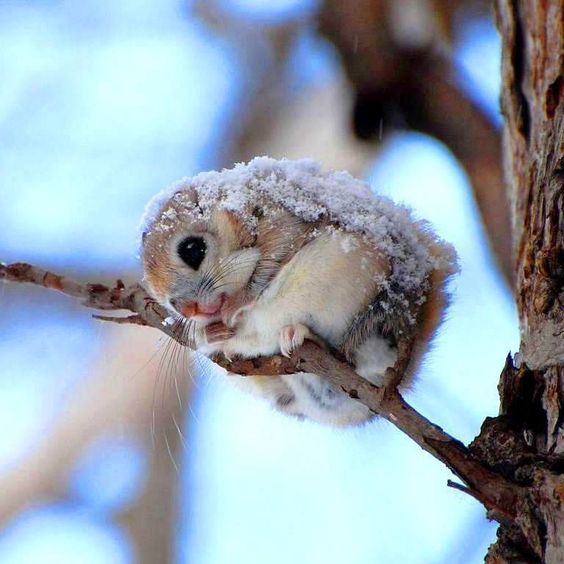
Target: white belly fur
(323, 287)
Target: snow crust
(303, 189)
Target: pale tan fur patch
(157, 265)
(232, 229)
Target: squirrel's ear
(143, 236)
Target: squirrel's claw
(291, 337)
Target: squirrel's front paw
(218, 332)
(291, 337)
(235, 306)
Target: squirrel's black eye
(192, 251)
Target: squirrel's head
(194, 259)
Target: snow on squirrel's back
(312, 195)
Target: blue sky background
(109, 102)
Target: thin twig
(500, 496)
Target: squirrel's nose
(186, 308)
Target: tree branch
(500, 496)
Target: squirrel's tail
(432, 312)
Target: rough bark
(533, 105)
(526, 442)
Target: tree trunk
(526, 442)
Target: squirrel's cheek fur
(157, 274)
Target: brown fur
(430, 316)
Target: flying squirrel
(253, 260)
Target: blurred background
(113, 449)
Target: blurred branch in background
(275, 117)
(397, 56)
(119, 398)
